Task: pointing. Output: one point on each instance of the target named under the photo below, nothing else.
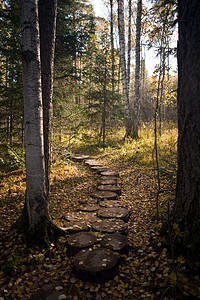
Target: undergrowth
(148, 272)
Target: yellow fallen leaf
(58, 288)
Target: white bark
(137, 71)
(112, 45)
(129, 45)
(123, 64)
(33, 114)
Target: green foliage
(83, 98)
(12, 264)
(11, 99)
(11, 158)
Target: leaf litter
(147, 272)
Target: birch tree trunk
(129, 45)
(36, 204)
(137, 71)
(123, 66)
(112, 45)
(35, 221)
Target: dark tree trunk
(119, 75)
(104, 102)
(186, 212)
(47, 22)
(11, 122)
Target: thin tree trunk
(22, 131)
(137, 71)
(156, 155)
(104, 102)
(129, 45)
(11, 121)
(156, 136)
(7, 128)
(100, 135)
(161, 92)
(112, 45)
(123, 66)
(119, 75)
(47, 23)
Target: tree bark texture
(129, 45)
(112, 45)
(36, 204)
(123, 65)
(137, 71)
(47, 24)
(35, 221)
(187, 206)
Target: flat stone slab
(93, 162)
(82, 240)
(88, 217)
(104, 195)
(115, 212)
(110, 173)
(98, 169)
(77, 226)
(113, 203)
(105, 181)
(110, 188)
(110, 226)
(80, 157)
(88, 207)
(99, 264)
(114, 241)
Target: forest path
(135, 276)
(141, 271)
(104, 215)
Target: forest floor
(147, 272)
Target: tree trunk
(36, 204)
(104, 102)
(129, 46)
(123, 65)
(11, 121)
(119, 76)
(47, 23)
(186, 211)
(112, 45)
(137, 71)
(35, 221)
